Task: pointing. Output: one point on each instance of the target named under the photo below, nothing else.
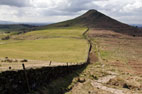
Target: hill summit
(98, 20)
(94, 18)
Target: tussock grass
(124, 50)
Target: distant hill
(138, 25)
(6, 22)
(97, 20)
(16, 28)
(37, 24)
(27, 23)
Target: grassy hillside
(96, 19)
(14, 29)
(56, 44)
(70, 32)
(117, 50)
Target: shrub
(5, 38)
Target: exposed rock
(81, 80)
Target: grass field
(59, 45)
(72, 32)
(52, 49)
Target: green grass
(57, 45)
(72, 32)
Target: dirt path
(100, 85)
(112, 90)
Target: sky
(50, 11)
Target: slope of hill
(97, 20)
(7, 30)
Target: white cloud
(137, 4)
(128, 11)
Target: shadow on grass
(47, 80)
(62, 84)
